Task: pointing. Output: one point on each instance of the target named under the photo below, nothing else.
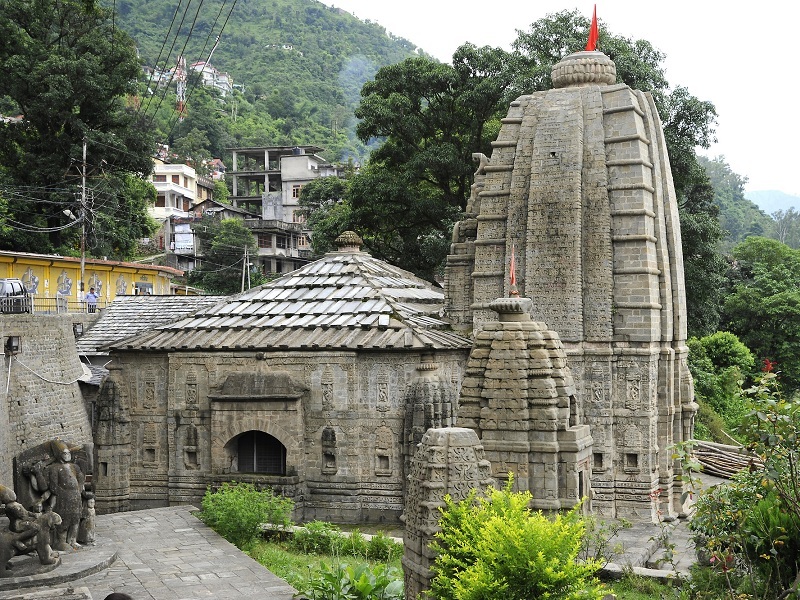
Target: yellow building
(54, 281)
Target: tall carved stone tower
(579, 181)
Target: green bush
(719, 364)
(343, 582)
(383, 548)
(317, 537)
(750, 528)
(354, 544)
(237, 511)
(496, 547)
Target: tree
(327, 212)
(223, 243)
(433, 117)
(763, 307)
(787, 227)
(68, 70)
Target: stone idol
(51, 510)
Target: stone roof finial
(349, 241)
(584, 68)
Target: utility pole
(244, 266)
(83, 217)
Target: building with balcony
(176, 186)
(267, 182)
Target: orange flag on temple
(513, 267)
(593, 33)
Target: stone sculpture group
(60, 512)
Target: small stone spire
(349, 241)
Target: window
(280, 241)
(296, 191)
(176, 179)
(259, 452)
(160, 178)
(160, 200)
(265, 240)
(303, 241)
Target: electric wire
(172, 47)
(176, 119)
(40, 376)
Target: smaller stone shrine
(448, 461)
(519, 396)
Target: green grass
(295, 567)
(634, 587)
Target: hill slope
(771, 200)
(301, 63)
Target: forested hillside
(300, 65)
(738, 216)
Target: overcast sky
(740, 56)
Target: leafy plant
(360, 582)
(382, 547)
(354, 544)
(238, 510)
(317, 537)
(496, 547)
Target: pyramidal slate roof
(347, 300)
(128, 315)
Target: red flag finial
(513, 292)
(593, 33)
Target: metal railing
(62, 304)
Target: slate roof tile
(346, 300)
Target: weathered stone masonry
(579, 183)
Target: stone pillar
(113, 449)
(448, 461)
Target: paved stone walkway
(169, 554)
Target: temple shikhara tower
(579, 183)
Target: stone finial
(349, 241)
(512, 309)
(584, 68)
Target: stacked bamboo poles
(723, 460)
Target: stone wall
(169, 423)
(41, 395)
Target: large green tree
(67, 70)
(224, 243)
(432, 117)
(763, 307)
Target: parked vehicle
(14, 298)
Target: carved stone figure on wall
(61, 484)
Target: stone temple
(322, 383)
(579, 184)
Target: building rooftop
(129, 315)
(347, 300)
